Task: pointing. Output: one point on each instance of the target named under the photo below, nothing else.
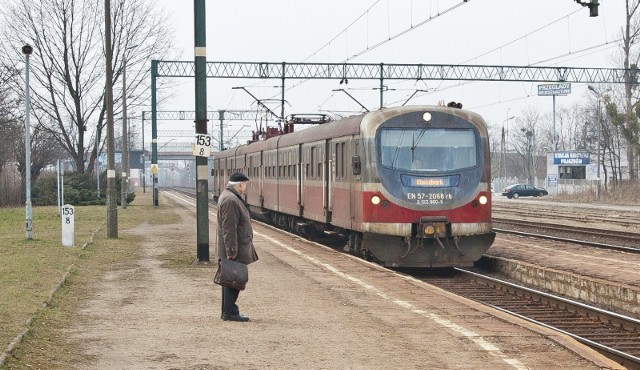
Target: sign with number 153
(202, 146)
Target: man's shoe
(234, 318)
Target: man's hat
(238, 177)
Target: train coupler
(432, 227)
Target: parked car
(523, 190)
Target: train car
(405, 186)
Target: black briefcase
(231, 274)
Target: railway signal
(592, 5)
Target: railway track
(616, 336)
(595, 237)
(595, 216)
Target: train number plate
(435, 198)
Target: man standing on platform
(235, 238)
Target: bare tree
(631, 128)
(8, 121)
(524, 142)
(9, 129)
(68, 86)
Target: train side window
(337, 160)
(312, 160)
(342, 155)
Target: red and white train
(408, 186)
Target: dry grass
(626, 194)
(31, 270)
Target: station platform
(310, 308)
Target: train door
(299, 180)
(339, 203)
(326, 180)
(331, 154)
(314, 177)
(215, 190)
(261, 177)
(355, 185)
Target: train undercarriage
(388, 250)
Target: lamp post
(124, 183)
(144, 160)
(503, 147)
(599, 110)
(27, 50)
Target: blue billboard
(571, 158)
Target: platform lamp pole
(27, 50)
(599, 110)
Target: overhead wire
(328, 43)
(604, 45)
(421, 23)
(390, 38)
(401, 33)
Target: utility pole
(27, 50)
(202, 162)
(112, 202)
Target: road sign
(202, 146)
(554, 89)
(154, 168)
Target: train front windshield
(428, 150)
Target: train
(407, 187)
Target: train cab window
(431, 150)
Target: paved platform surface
(310, 308)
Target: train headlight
(483, 199)
(375, 200)
(426, 116)
(429, 230)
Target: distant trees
(9, 132)
(67, 68)
(629, 126)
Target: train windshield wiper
(420, 135)
(397, 152)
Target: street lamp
(503, 148)
(599, 110)
(27, 50)
(124, 183)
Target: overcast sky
(488, 32)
